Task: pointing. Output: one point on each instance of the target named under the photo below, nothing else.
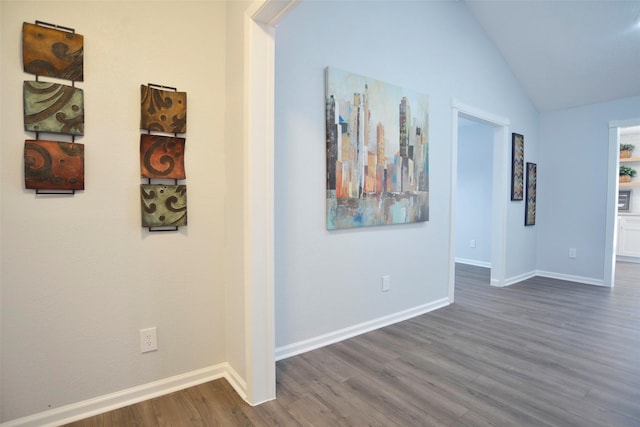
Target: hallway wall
(572, 186)
(328, 284)
(79, 275)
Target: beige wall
(79, 275)
(235, 178)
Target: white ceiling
(567, 53)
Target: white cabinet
(629, 236)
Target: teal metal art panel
(163, 205)
(54, 108)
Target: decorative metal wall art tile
(52, 107)
(53, 165)
(163, 110)
(163, 205)
(162, 157)
(52, 52)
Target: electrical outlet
(472, 243)
(148, 340)
(386, 283)
(572, 253)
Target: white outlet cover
(148, 340)
(386, 283)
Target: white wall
(79, 275)
(474, 195)
(326, 281)
(572, 186)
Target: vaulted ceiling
(567, 53)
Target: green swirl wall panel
(163, 205)
(53, 107)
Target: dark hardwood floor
(542, 352)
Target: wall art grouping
(53, 51)
(521, 171)
(163, 110)
(377, 142)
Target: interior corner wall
(572, 186)
(474, 194)
(235, 320)
(79, 276)
(326, 282)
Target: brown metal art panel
(162, 157)
(52, 107)
(52, 52)
(163, 205)
(162, 110)
(53, 165)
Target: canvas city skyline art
(377, 141)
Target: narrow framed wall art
(517, 166)
(530, 208)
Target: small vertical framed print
(517, 166)
(530, 209)
(624, 199)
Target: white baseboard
(486, 264)
(571, 278)
(87, 408)
(237, 382)
(524, 276)
(513, 280)
(631, 259)
(300, 347)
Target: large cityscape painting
(377, 137)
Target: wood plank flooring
(542, 352)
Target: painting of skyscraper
(377, 138)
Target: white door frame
(611, 229)
(261, 19)
(500, 190)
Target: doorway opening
(474, 193)
(623, 200)
(498, 194)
